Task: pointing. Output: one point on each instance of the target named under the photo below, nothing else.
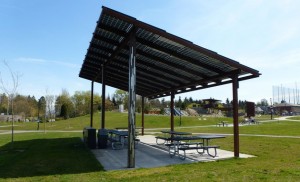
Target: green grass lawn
(61, 156)
(116, 119)
(295, 118)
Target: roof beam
(179, 40)
(155, 67)
(203, 83)
(163, 61)
(140, 80)
(142, 89)
(143, 53)
(162, 78)
(179, 56)
(122, 45)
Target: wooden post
(235, 86)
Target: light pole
(271, 107)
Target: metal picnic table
(168, 135)
(118, 138)
(182, 143)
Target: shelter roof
(164, 62)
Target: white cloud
(31, 60)
(44, 61)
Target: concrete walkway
(148, 154)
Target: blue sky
(46, 40)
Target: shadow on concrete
(41, 157)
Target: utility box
(102, 138)
(89, 137)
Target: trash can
(89, 137)
(102, 138)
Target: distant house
(287, 109)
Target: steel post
(92, 101)
(131, 103)
(103, 99)
(235, 86)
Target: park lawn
(63, 157)
(39, 154)
(295, 118)
(280, 128)
(115, 119)
(54, 156)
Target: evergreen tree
(64, 111)
(41, 107)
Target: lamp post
(271, 107)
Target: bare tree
(50, 108)
(10, 90)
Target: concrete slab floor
(148, 154)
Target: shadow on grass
(41, 157)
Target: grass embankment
(60, 156)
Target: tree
(179, 103)
(64, 111)
(163, 103)
(50, 109)
(78, 100)
(121, 97)
(11, 92)
(82, 102)
(64, 99)
(3, 103)
(41, 108)
(190, 100)
(114, 101)
(264, 102)
(227, 102)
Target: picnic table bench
(178, 145)
(165, 139)
(197, 148)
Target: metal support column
(131, 103)
(92, 103)
(103, 99)
(143, 114)
(235, 86)
(172, 110)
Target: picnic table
(222, 123)
(183, 143)
(126, 128)
(118, 138)
(168, 135)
